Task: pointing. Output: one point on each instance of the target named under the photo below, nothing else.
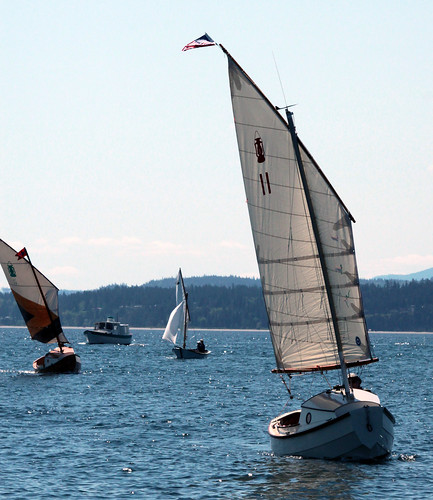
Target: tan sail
(304, 309)
(36, 296)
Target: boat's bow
(63, 360)
(329, 425)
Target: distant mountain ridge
(237, 303)
(427, 274)
(229, 281)
(224, 281)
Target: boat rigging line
(287, 386)
(279, 78)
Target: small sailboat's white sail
(180, 288)
(175, 322)
(38, 301)
(179, 317)
(305, 252)
(182, 298)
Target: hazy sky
(118, 150)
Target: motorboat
(109, 332)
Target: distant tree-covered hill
(210, 306)
(226, 281)
(389, 305)
(399, 306)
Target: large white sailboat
(305, 252)
(178, 323)
(37, 299)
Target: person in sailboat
(200, 346)
(354, 381)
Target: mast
(185, 317)
(294, 136)
(43, 297)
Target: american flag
(203, 41)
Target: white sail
(298, 302)
(180, 288)
(36, 296)
(179, 317)
(181, 295)
(175, 322)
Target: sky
(118, 150)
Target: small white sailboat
(37, 299)
(305, 252)
(178, 322)
(109, 332)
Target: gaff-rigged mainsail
(40, 312)
(309, 274)
(179, 317)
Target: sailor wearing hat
(354, 381)
(200, 346)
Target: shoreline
(161, 329)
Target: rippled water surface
(138, 422)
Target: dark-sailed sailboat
(306, 257)
(37, 299)
(178, 322)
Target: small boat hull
(356, 430)
(182, 353)
(56, 361)
(95, 337)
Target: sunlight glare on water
(136, 421)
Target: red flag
(22, 253)
(203, 41)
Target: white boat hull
(182, 353)
(95, 337)
(357, 430)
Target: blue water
(139, 423)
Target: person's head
(354, 381)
